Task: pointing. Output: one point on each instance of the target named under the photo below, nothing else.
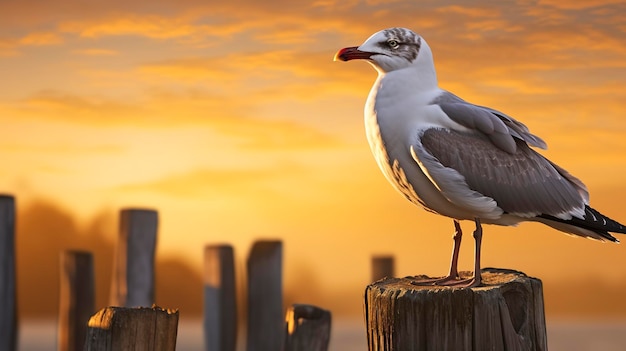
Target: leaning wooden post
(122, 328)
(220, 303)
(265, 297)
(76, 299)
(382, 267)
(307, 328)
(506, 314)
(8, 301)
(133, 273)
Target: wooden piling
(140, 329)
(382, 267)
(507, 313)
(76, 303)
(220, 303)
(307, 328)
(265, 297)
(133, 273)
(8, 299)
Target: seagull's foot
(450, 281)
(435, 281)
(464, 283)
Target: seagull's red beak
(352, 53)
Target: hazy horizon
(44, 231)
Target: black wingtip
(600, 221)
(595, 222)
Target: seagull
(460, 160)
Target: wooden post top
(491, 278)
(123, 328)
(505, 313)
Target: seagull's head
(389, 50)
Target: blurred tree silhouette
(178, 285)
(44, 230)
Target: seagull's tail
(594, 225)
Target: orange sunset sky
(233, 121)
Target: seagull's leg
(453, 275)
(454, 261)
(478, 238)
(477, 279)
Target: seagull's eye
(393, 43)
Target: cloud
(263, 74)
(470, 11)
(263, 135)
(247, 76)
(150, 26)
(12, 46)
(198, 25)
(579, 4)
(214, 50)
(8, 48)
(41, 39)
(96, 52)
(61, 148)
(245, 66)
(57, 104)
(200, 181)
(226, 115)
(193, 22)
(278, 22)
(221, 184)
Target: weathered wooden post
(76, 303)
(507, 313)
(8, 301)
(382, 267)
(220, 303)
(122, 328)
(307, 328)
(265, 296)
(133, 272)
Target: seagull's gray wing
(464, 165)
(500, 128)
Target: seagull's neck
(418, 79)
(416, 83)
(410, 80)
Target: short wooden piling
(133, 273)
(382, 267)
(507, 313)
(265, 297)
(220, 303)
(76, 303)
(8, 300)
(307, 328)
(141, 329)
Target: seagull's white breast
(393, 123)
